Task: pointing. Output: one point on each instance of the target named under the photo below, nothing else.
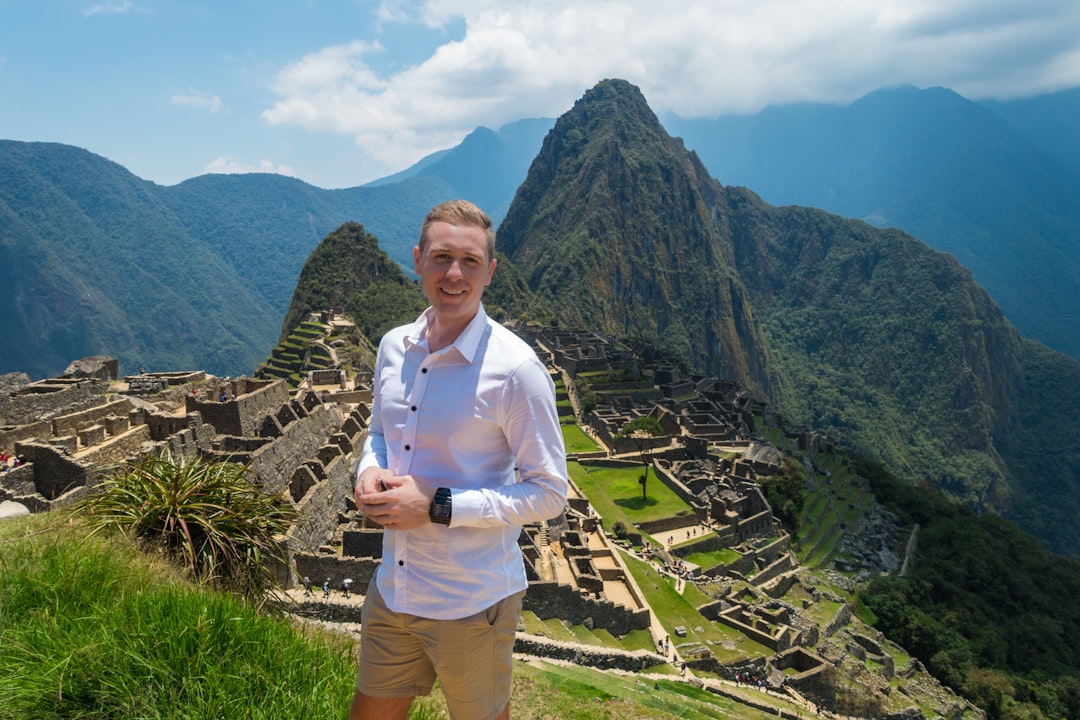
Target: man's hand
(399, 502)
(371, 480)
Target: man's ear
(491, 271)
(416, 259)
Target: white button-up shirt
(464, 418)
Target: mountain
(616, 216)
(995, 185)
(486, 167)
(1046, 121)
(989, 183)
(349, 270)
(866, 333)
(93, 260)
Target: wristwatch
(440, 509)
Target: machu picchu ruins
(300, 424)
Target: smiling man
(464, 447)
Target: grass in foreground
(556, 692)
(91, 628)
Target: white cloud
(112, 7)
(211, 103)
(228, 166)
(700, 58)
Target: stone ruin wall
(549, 599)
(587, 655)
(44, 399)
(320, 509)
(255, 400)
(306, 455)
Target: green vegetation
(706, 560)
(606, 154)
(102, 263)
(640, 429)
(213, 517)
(576, 440)
(299, 353)
(984, 607)
(556, 629)
(348, 270)
(786, 492)
(673, 610)
(614, 494)
(838, 498)
(94, 629)
(545, 690)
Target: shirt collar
(467, 342)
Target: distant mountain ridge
(1021, 246)
(997, 185)
(79, 233)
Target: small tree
(587, 397)
(639, 430)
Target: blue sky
(341, 92)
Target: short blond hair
(462, 213)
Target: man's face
(454, 269)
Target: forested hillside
(995, 185)
(614, 227)
(94, 261)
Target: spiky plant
(211, 516)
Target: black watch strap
(441, 509)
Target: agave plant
(212, 516)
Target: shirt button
(400, 563)
(413, 408)
(423, 370)
(408, 447)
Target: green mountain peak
(615, 225)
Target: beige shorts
(401, 655)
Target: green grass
(821, 523)
(92, 628)
(673, 609)
(576, 440)
(557, 692)
(565, 410)
(616, 495)
(707, 560)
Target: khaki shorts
(401, 655)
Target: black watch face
(440, 510)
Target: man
(464, 447)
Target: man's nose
(455, 270)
